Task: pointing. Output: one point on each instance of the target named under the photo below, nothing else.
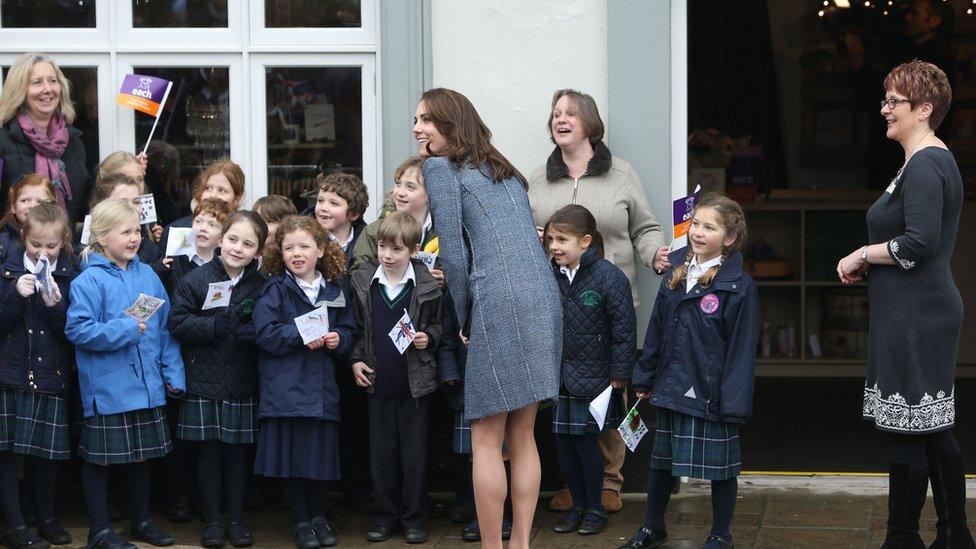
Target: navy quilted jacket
(599, 326)
(36, 355)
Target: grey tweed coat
(502, 286)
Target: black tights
(43, 476)
(913, 450)
(216, 460)
(94, 483)
(305, 497)
(660, 484)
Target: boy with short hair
(208, 221)
(339, 208)
(399, 384)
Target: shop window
(312, 13)
(314, 125)
(193, 131)
(179, 13)
(20, 14)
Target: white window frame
(125, 126)
(364, 36)
(41, 39)
(679, 98)
(128, 38)
(372, 154)
(106, 99)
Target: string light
(821, 13)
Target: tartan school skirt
(231, 421)
(34, 424)
(694, 447)
(572, 415)
(127, 437)
(461, 438)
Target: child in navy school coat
(299, 402)
(29, 191)
(698, 368)
(599, 338)
(35, 372)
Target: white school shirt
(570, 273)
(695, 271)
(34, 268)
(311, 289)
(393, 290)
(345, 247)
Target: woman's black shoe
(593, 523)
(213, 535)
(239, 535)
(416, 535)
(323, 532)
(570, 523)
(715, 541)
(379, 533)
(107, 538)
(53, 532)
(24, 538)
(148, 532)
(305, 536)
(645, 538)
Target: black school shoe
(24, 538)
(107, 538)
(416, 535)
(305, 536)
(324, 532)
(645, 538)
(213, 535)
(238, 534)
(593, 523)
(148, 532)
(379, 533)
(53, 532)
(570, 522)
(715, 541)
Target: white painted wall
(509, 56)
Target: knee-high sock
(572, 471)
(723, 505)
(10, 494)
(94, 483)
(591, 468)
(659, 486)
(295, 494)
(137, 486)
(208, 477)
(45, 478)
(317, 490)
(235, 478)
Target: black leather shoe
(305, 536)
(593, 523)
(181, 512)
(24, 538)
(239, 535)
(106, 538)
(646, 538)
(53, 532)
(148, 532)
(471, 532)
(715, 541)
(213, 535)
(379, 533)
(569, 523)
(416, 535)
(323, 532)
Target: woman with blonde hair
(36, 134)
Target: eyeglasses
(893, 102)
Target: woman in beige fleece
(582, 171)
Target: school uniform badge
(708, 303)
(590, 298)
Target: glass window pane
(312, 13)
(179, 13)
(19, 14)
(314, 124)
(193, 131)
(84, 95)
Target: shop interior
(785, 118)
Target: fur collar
(598, 165)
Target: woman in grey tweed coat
(505, 297)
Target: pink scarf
(48, 149)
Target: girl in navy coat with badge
(299, 404)
(35, 372)
(698, 369)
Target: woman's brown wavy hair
(332, 265)
(468, 138)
